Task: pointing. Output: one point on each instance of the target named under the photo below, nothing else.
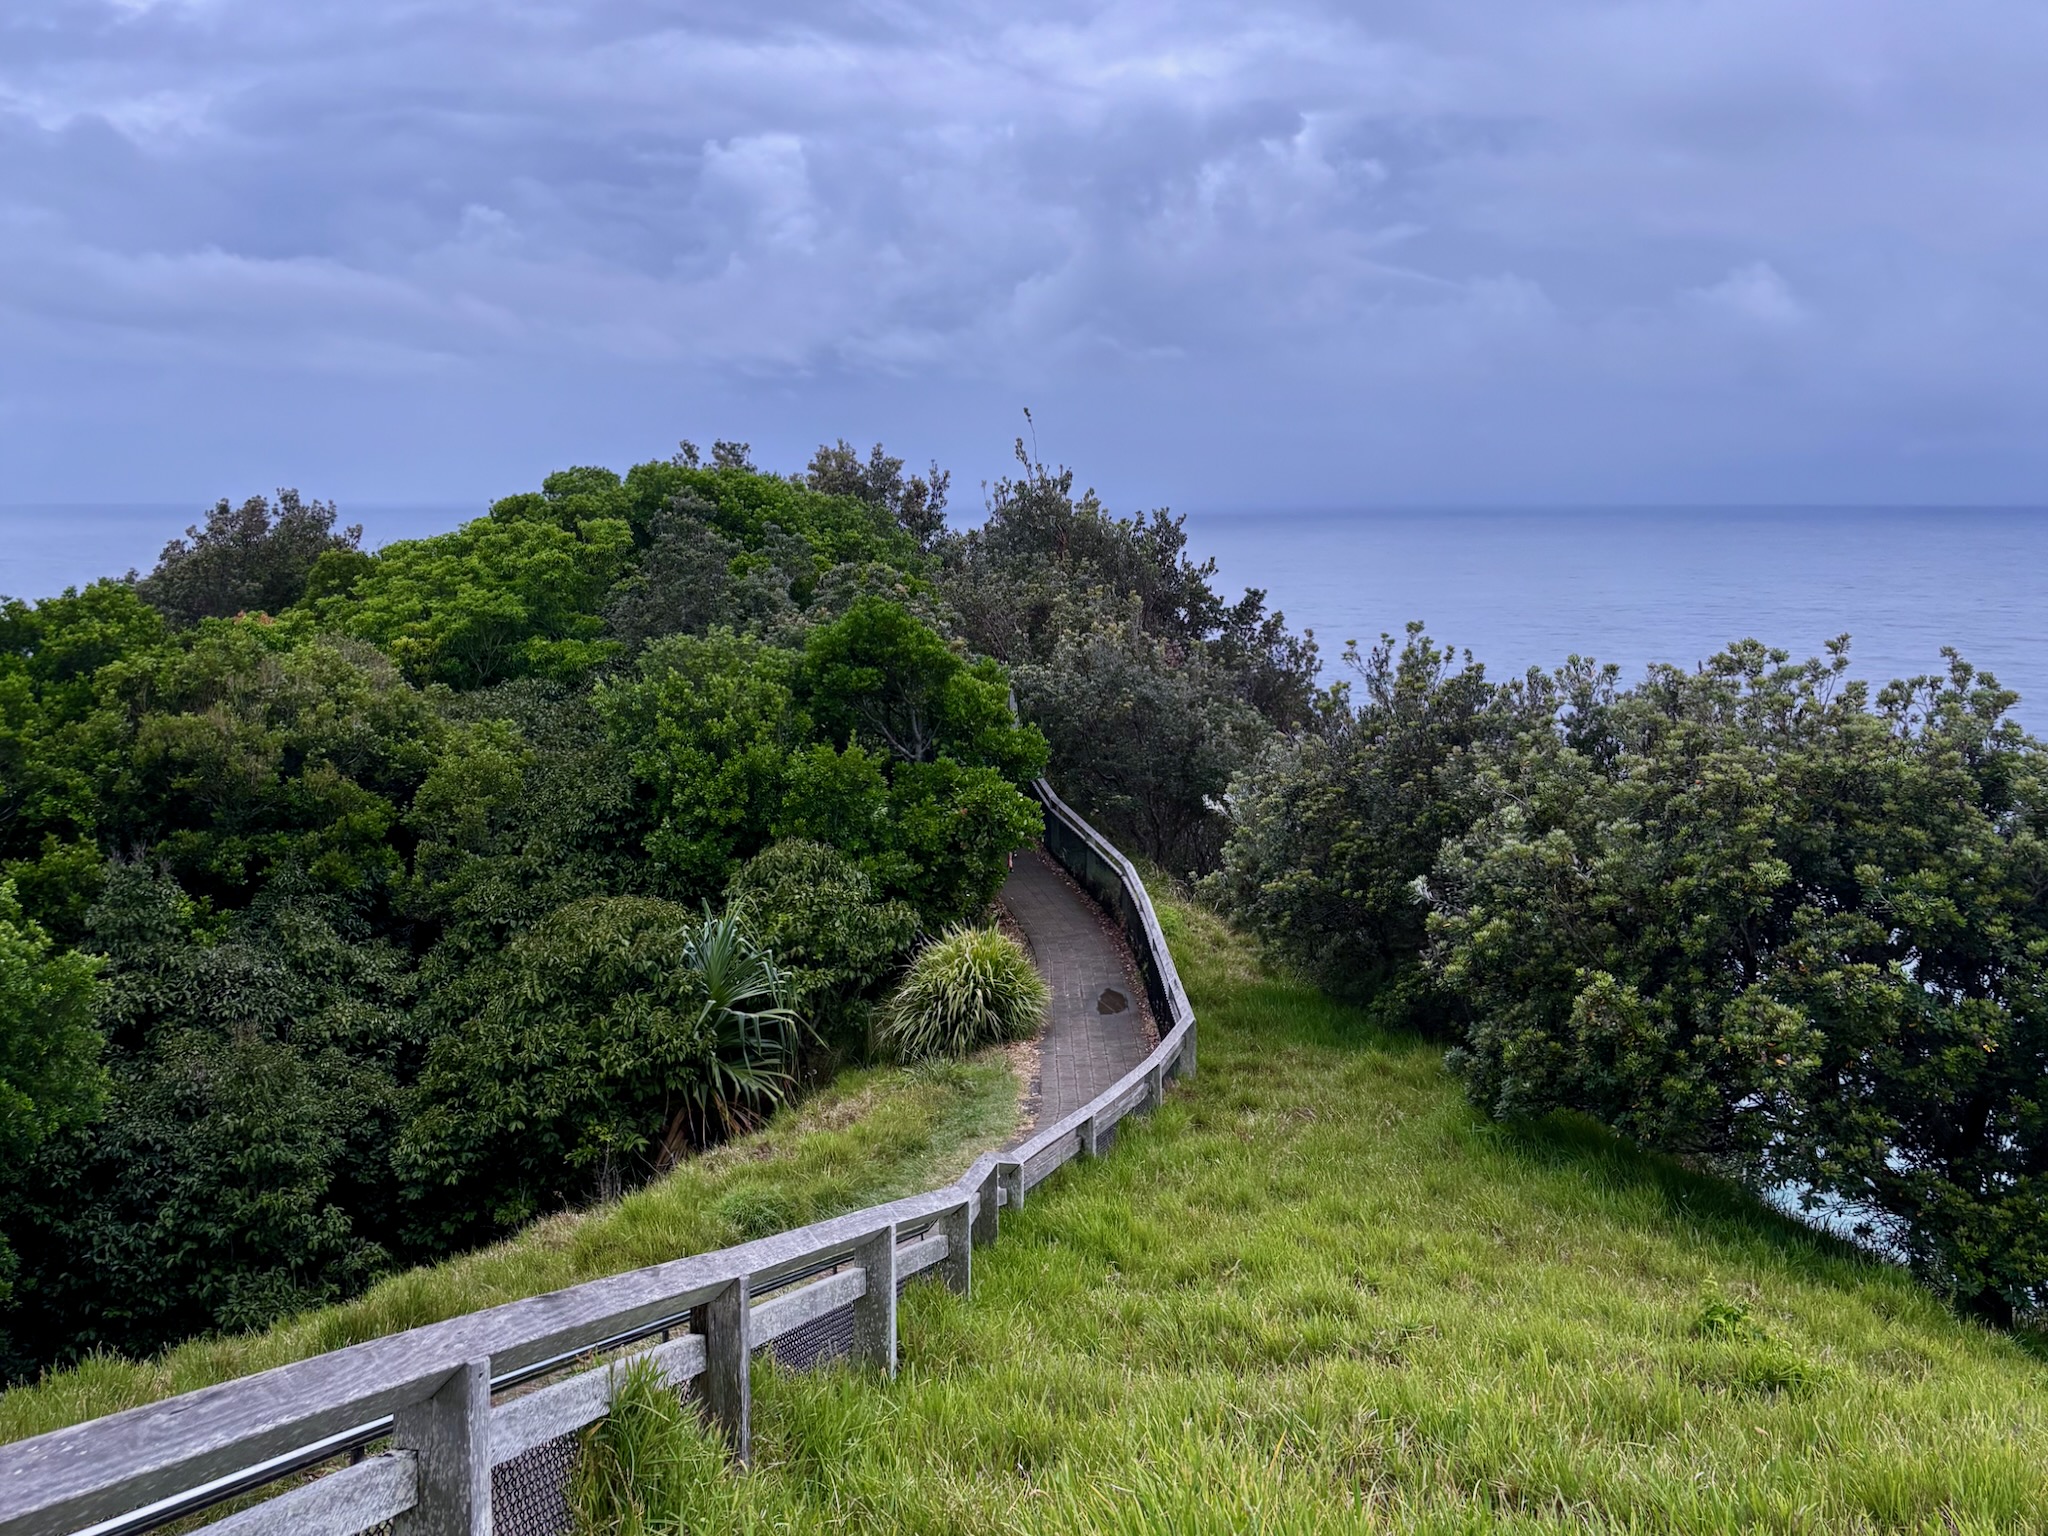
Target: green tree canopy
(255, 558)
(822, 916)
(516, 594)
(50, 1075)
(624, 1030)
(1738, 912)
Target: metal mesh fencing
(829, 1337)
(530, 1493)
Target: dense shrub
(916, 502)
(1747, 913)
(968, 988)
(1150, 746)
(506, 596)
(1741, 913)
(255, 558)
(1332, 828)
(50, 1075)
(621, 1031)
(49, 1050)
(876, 738)
(837, 937)
(240, 1169)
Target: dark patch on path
(1088, 1044)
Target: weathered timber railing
(437, 1404)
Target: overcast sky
(1458, 251)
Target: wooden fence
(425, 1431)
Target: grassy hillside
(871, 1136)
(1318, 1293)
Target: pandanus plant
(746, 1018)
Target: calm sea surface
(44, 549)
(1519, 588)
(1523, 588)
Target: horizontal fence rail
(442, 1422)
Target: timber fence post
(987, 1216)
(957, 1227)
(874, 1314)
(450, 1436)
(728, 1391)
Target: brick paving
(1084, 1049)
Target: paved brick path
(1084, 1050)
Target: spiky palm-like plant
(745, 1010)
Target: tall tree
(252, 558)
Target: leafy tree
(953, 829)
(880, 677)
(255, 558)
(918, 504)
(915, 777)
(1077, 598)
(258, 751)
(708, 725)
(59, 643)
(1151, 745)
(684, 583)
(530, 806)
(50, 1075)
(50, 1078)
(240, 1170)
(1042, 546)
(511, 595)
(834, 528)
(1738, 913)
(58, 740)
(623, 1030)
(1332, 828)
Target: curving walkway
(1094, 1031)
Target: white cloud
(1755, 294)
(767, 174)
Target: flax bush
(970, 988)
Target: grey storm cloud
(1615, 249)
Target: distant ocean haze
(1519, 588)
(46, 548)
(1523, 588)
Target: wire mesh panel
(829, 1337)
(530, 1493)
(823, 1338)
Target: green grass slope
(1316, 1292)
(870, 1136)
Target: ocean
(1518, 588)
(1533, 587)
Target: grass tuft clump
(969, 988)
(643, 1460)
